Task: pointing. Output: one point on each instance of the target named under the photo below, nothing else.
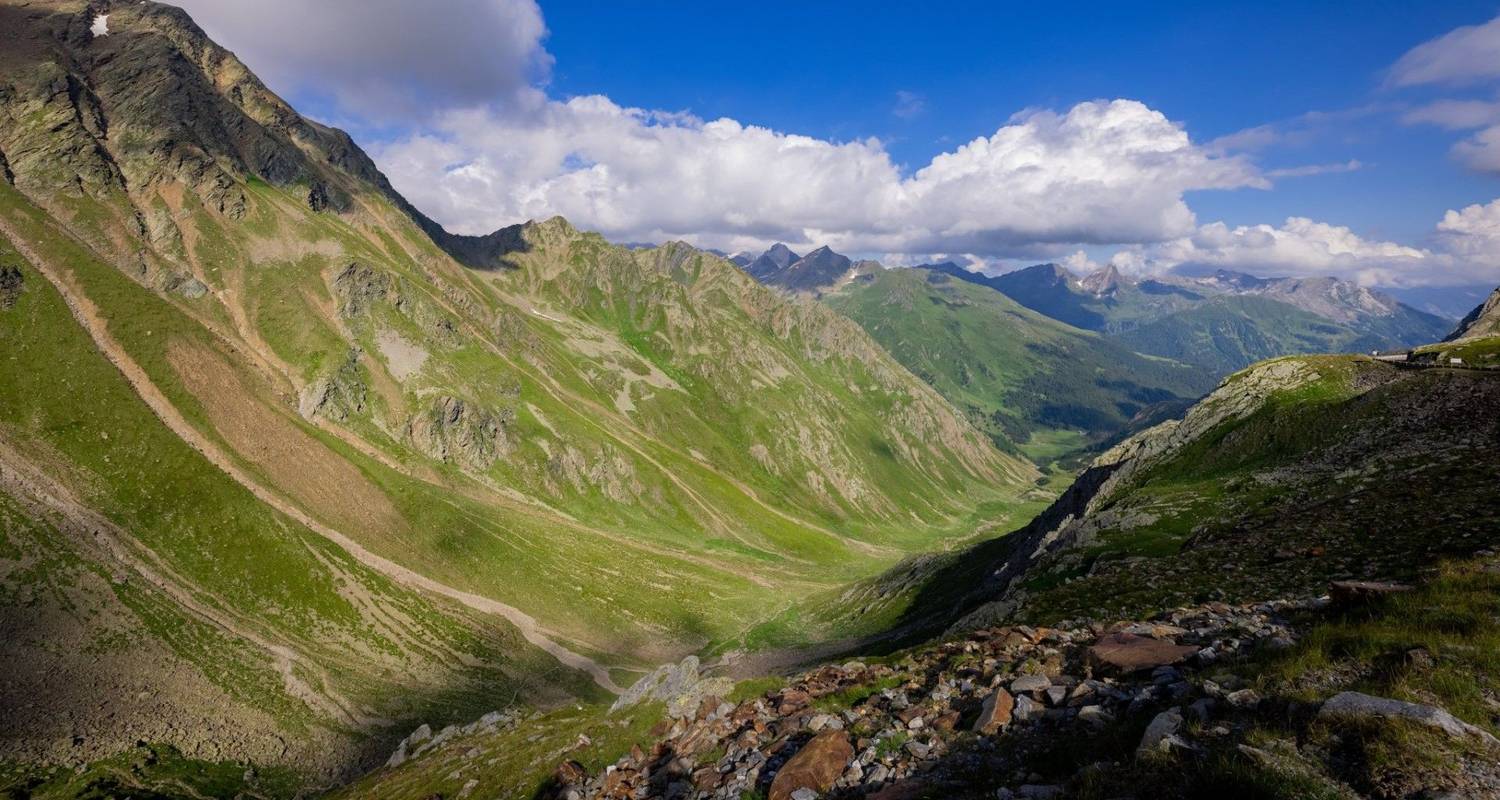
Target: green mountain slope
(1225, 333)
(1019, 375)
(147, 596)
(529, 462)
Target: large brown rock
(1126, 652)
(790, 700)
(816, 766)
(996, 712)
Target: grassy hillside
(1019, 375)
(189, 598)
(1294, 472)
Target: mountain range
(1222, 322)
(302, 494)
(1136, 348)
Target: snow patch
(100, 26)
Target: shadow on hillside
(492, 252)
(963, 581)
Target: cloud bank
(1102, 172)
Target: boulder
(816, 766)
(1126, 652)
(1030, 683)
(1161, 733)
(1356, 706)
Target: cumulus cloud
(1472, 232)
(1463, 55)
(387, 61)
(1102, 172)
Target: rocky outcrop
(422, 739)
(359, 286)
(460, 432)
(681, 686)
(11, 285)
(338, 395)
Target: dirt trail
(88, 317)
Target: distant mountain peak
(1107, 280)
(771, 263)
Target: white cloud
(1473, 231)
(1455, 114)
(487, 147)
(385, 60)
(1480, 151)
(1103, 172)
(1300, 246)
(1464, 247)
(1463, 55)
(909, 104)
(1306, 170)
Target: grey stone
(1160, 732)
(1030, 683)
(1353, 705)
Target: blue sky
(1352, 139)
(833, 70)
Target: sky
(1358, 139)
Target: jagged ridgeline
(281, 454)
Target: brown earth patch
(295, 461)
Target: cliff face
(1483, 321)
